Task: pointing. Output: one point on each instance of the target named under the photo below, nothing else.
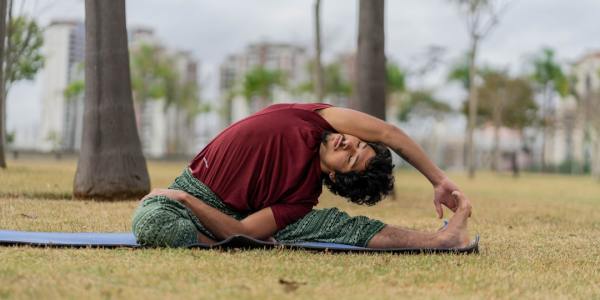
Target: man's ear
(332, 176)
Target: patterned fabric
(331, 225)
(159, 221)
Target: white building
(290, 60)
(61, 120)
(162, 131)
(575, 137)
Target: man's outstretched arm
(372, 129)
(260, 225)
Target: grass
(540, 239)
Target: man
(262, 176)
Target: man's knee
(161, 223)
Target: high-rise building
(291, 60)
(61, 120)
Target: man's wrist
(438, 179)
(185, 198)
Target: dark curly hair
(369, 186)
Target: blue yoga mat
(115, 240)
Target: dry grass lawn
(540, 239)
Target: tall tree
(319, 82)
(2, 94)
(480, 16)
(551, 80)
(370, 59)
(22, 59)
(111, 164)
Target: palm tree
(370, 59)
(481, 17)
(259, 83)
(111, 164)
(550, 78)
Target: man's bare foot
(456, 235)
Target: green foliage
(421, 102)
(259, 82)
(10, 137)
(185, 96)
(546, 71)
(23, 54)
(151, 73)
(74, 89)
(512, 97)
(396, 79)
(335, 83)
(459, 72)
(154, 77)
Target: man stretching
(263, 175)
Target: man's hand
(443, 195)
(175, 195)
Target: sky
(211, 30)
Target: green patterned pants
(159, 221)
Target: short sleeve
(288, 213)
(312, 106)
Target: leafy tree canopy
(546, 71)
(395, 81)
(23, 55)
(512, 97)
(422, 102)
(260, 81)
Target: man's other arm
(372, 129)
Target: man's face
(344, 153)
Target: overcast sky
(213, 29)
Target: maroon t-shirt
(270, 159)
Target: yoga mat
(116, 240)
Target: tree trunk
(496, 147)
(371, 73)
(319, 84)
(470, 148)
(594, 134)
(111, 164)
(545, 121)
(595, 163)
(2, 94)
(497, 119)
